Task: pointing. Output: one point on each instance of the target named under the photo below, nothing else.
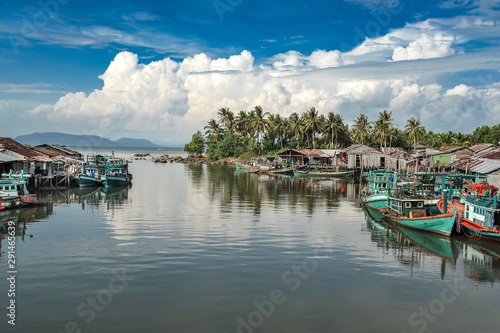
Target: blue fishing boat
(14, 192)
(117, 173)
(91, 171)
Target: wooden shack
(362, 157)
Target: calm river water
(196, 248)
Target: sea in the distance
(203, 248)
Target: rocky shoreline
(191, 159)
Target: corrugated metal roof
(493, 154)
(391, 150)
(447, 150)
(46, 151)
(315, 153)
(7, 158)
(66, 149)
(487, 166)
(480, 146)
(345, 150)
(13, 145)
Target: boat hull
(109, 181)
(83, 181)
(282, 171)
(243, 166)
(7, 202)
(373, 211)
(297, 173)
(438, 224)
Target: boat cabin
(406, 200)
(380, 181)
(481, 205)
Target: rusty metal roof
(448, 150)
(493, 154)
(16, 147)
(481, 146)
(66, 149)
(46, 151)
(391, 150)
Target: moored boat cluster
(436, 203)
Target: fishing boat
(479, 216)
(406, 208)
(298, 173)
(91, 171)
(374, 197)
(14, 192)
(117, 173)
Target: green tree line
(258, 132)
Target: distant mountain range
(84, 141)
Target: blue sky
(159, 71)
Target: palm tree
(334, 126)
(276, 126)
(258, 121)
(385, 123)
(295, 126)
(361, 128)
(224, 115)
(312, 122)
(379, 130)
(214, 131)
(415, 130)
(242, 123)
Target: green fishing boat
(409, 210)
(380, 182)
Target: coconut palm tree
(214, 131)
(384, 124)
(312, 122)
(414, 130)
(334, 126)
(295, 126)
(224, 115)
(361, 128)
(258, 121)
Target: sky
(160, 70)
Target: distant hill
(81, 140)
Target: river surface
(197, 248)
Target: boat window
(407, 204)
(420, 204)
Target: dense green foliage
(258, 132)
(196, 146)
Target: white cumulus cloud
(427, 46)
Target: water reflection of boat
(481, 259)
(401, 238)
(434, 244)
